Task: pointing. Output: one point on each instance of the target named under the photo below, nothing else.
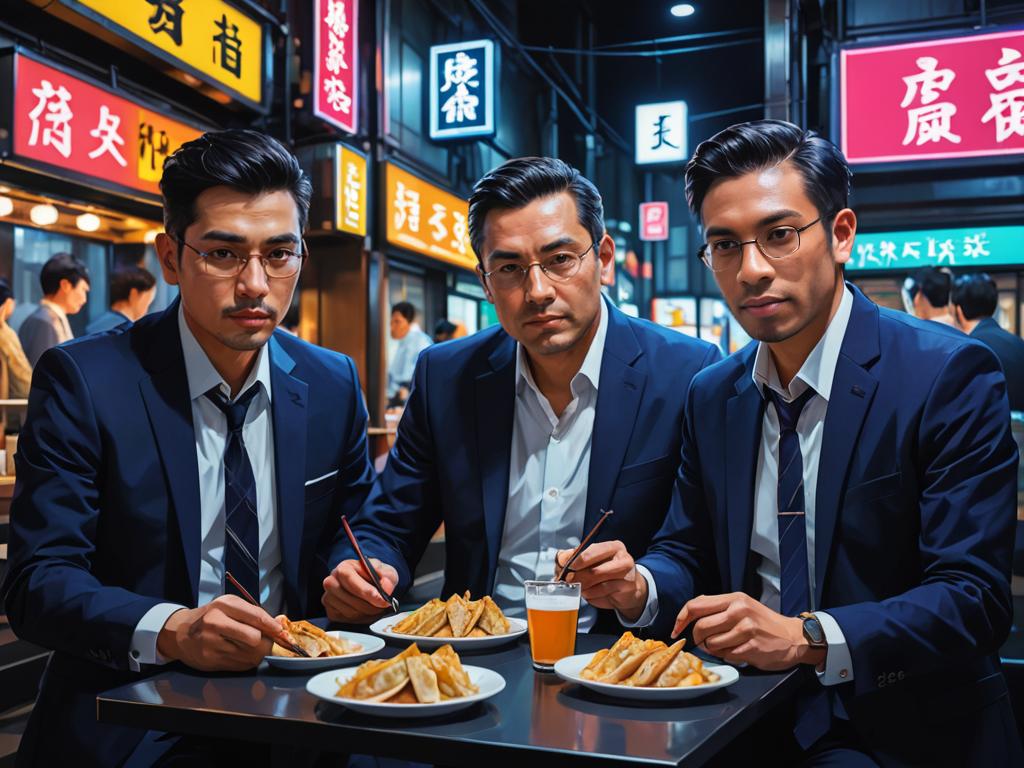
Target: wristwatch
(812, 631)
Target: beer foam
(552, 602)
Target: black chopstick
(389, 599)
(282, 641)
(582, 546)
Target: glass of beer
(552, 608)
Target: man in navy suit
(847, 492)
(517, 437)
(158, 456)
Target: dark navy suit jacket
(1009, 348)
(105, 517)
(450, 461)
(914, 517)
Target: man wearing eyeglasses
(846, 498)
(517, 437)
(161, 457)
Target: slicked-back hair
(976, 295)
(61, 266)
(747, 147)
(934, 284)
(248, 161)
(124, 278)
(519, 182)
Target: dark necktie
(794, 586)
(241, 523)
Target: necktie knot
(236, 410)
(789, 413)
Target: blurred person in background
(444, 331)
(65, 284)
(19, 372)
(411, 341)
(975, 299)
(132, 289)
(930, 295)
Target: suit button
(843, 673)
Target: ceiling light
(682, 9)
(88, 222)
(44, 214)
(150, 237)
(6, 206)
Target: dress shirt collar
(56, 309)
(202, 376)
(819, 369)
(589, 371)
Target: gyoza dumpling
(463, 615)
(452, 680)
(652, 667)
(379, 680)
(606, 660)
(423, 678)
(639, 652)
(492, 620)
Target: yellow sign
(159, 137)
(209, 38)
(350, 178)
(426, 219)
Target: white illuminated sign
(661, 133)
(462, 89)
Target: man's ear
(167, 255)
(483, 283)
(844, 229)
(606, 259)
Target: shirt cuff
(143, 647)
(650, 612)
(838, 662)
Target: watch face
(813, 631)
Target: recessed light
(43, 215)
(6, 206)
(682, 9)
(88, 222)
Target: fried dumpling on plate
(313, 640)
(492, 620)
(639, 652)
(423, 679)
(381, 681)
(606, 660)
(424, 621)
(652, 667)
(452, 679)
(462, 614)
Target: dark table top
(537, 717)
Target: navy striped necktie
(794, 587)
(241, 523)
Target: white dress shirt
(817, 372)
(547, 479)
(210, 425)
(63, 326)
(403, 362)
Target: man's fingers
(242, 612)
(714, 624)
(606, 589)
(597, 553)
(610, 570)
(353, 579)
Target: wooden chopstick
(583, 545)
(389, 599)
(282, 640)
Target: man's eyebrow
(554, 245)
(503, 256)
(285, 238)
(772, 218)
(223, 236)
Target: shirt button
(843, 673)
(553, 493)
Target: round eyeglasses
(777, 243)
(223, 261)
(559, 267)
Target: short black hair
(405, 309)
(245, 160)
(747, 147)
(5, 290)
(519, 182)
(976, 295)
(934, 284)
(443, 327)
(124, 278)
(61, 266)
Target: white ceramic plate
(570, 667)
(383, 626)
(371, 645)
(326, 684)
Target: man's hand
(739, 629)
(227, 634)
(608, 578)
(349, 594)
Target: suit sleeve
(402, 511)
(967, 473)
(52, 594)
(681, 557)
(39, 336)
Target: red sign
(654, 221)
(335, 62)
(71, 124)
(957, 97)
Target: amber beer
(552, 609)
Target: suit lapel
(744, 413)
(495, 410)
(166, 397)
(289, 415)
(853, 389)
(620, 390)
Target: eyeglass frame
(204, 255)
(524, 271)
(702, 251)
